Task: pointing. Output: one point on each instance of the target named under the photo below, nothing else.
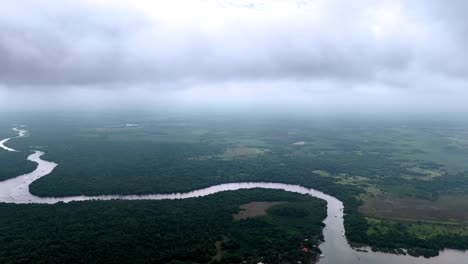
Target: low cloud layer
(186, 50)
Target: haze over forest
(322, 55)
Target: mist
(318, 56)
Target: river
(21, 133)
(336, 249)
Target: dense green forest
(356, 161)
(181, 231)
(14, 164)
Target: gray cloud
(373, 45)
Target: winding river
(21, 133)
(335, 248)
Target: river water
(336, 249)
(21, 133)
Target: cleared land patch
(422, 174)
(254, 209)
(322, 173)
(299, 143)
(342, 178)
(445, 209)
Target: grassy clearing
(299, 143)
(352, 180)
(423, 174)
(420, 230)
(430, 230)
(452, 209)
(254, 209)
(343, 178)
(322, 173)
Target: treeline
(13, 164)
(93, 167)
(180, 231)
(396, 235)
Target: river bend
(335, 248)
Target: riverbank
(335, 248)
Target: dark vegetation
(103, 156)
(14, 164)
(389, 236)
(182, 231)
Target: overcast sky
(318, 53)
